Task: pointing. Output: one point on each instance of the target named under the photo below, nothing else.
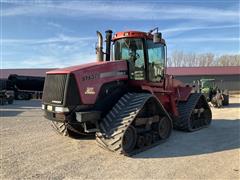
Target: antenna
(152, 30)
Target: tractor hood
(92, 76)
(101, 66)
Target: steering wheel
(134, 56)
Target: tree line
(183, 59)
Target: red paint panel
(132, 34)
(96, 82)
(182, 93)
(75, 68)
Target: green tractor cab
(209, 88)
(207, 84)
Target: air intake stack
(99, 48)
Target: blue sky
(45, 34)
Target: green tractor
(213, 94)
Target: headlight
(43, 106)
(61, 109)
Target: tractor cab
(144, 52)
(207, 85)
(146, 58)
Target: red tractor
(126, 99)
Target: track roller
(164, 128)
(129, 139)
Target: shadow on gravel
(232, 105)
(10, 113)
(222, 135)
(82, 137)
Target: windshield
(131, 49)
(128, 49)
(208, 83)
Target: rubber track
(63, 128)
(60, 128)
(114, 125)
(185, 110)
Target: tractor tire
(10, 101)
(225, 100)
(21, 96)
(2, 101)
(28, 97)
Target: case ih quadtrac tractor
(125, 98)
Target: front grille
(72, 95)
(54, 88)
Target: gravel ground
(31, 149)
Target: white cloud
(189, 28)
(55, 25)
(49, 61)
(119, 10)
(61, 38)
(59, 51)
(206, 39)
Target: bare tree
(181, 59)
(229, 60)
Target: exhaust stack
(99, 48)
(108, 44)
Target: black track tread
(60, 128)
(128, 106)
(64, 129)
(185, 110)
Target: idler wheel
(164, 128)
(129, 139)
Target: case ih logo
(89, 90)
(90, 77)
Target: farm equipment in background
(6, 95)
(26, 87)
(218, 97)
(126, 99)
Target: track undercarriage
(135, 123)
(138, 122)
(195, 114)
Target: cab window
(131, 49)
(156, 59)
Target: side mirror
(157, 37)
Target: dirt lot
(31, 149)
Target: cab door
(155, 63)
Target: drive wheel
(207, 117)
(2, 101)
(10, 101)
(225, 100)
(21, 96)
(164, 128)
(129, 139)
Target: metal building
(226, 77)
